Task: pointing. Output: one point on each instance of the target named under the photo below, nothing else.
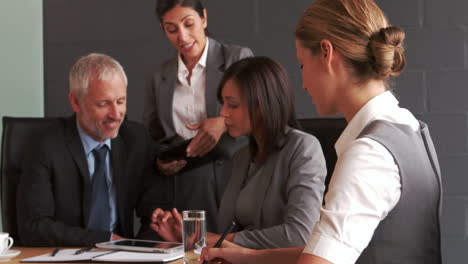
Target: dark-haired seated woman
(277, 183)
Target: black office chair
(327, 131)
(18, 134)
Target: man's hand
(116, 237)
(209, 133)
(167, 224)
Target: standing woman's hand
(209, 133)
(170, 168)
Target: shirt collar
(202, 61)
(378, 105)
(282, 140)
(88, 142)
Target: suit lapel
(229, 201)
(215, 63)
(269, 172)
(166, 93)
(75, 147)
(118, 165)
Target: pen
(228, 230)
(54, 252)
(83, 250)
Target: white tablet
(142, 245)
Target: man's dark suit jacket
(55, 189)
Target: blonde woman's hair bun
(386, 51)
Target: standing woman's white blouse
(364, 188)
(189, 106)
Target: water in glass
(194, 235)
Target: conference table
(27, 252)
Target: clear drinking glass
(193, 234)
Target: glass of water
(193, 234)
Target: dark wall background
(434, 86)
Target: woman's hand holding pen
(212, 238)
(221, 242)
(167, 224)
(227, 253)
(209, 133)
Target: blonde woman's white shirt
(189, 102)
(364, 188)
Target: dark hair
(265, 87)
(163, 6)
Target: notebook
(99, 255)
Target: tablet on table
(142, 245)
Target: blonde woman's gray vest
(410, 234)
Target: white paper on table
(67, 255)
(127, 256)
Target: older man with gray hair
(88, 173)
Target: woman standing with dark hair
(181, 103)
(277, 183)
(384, 200)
